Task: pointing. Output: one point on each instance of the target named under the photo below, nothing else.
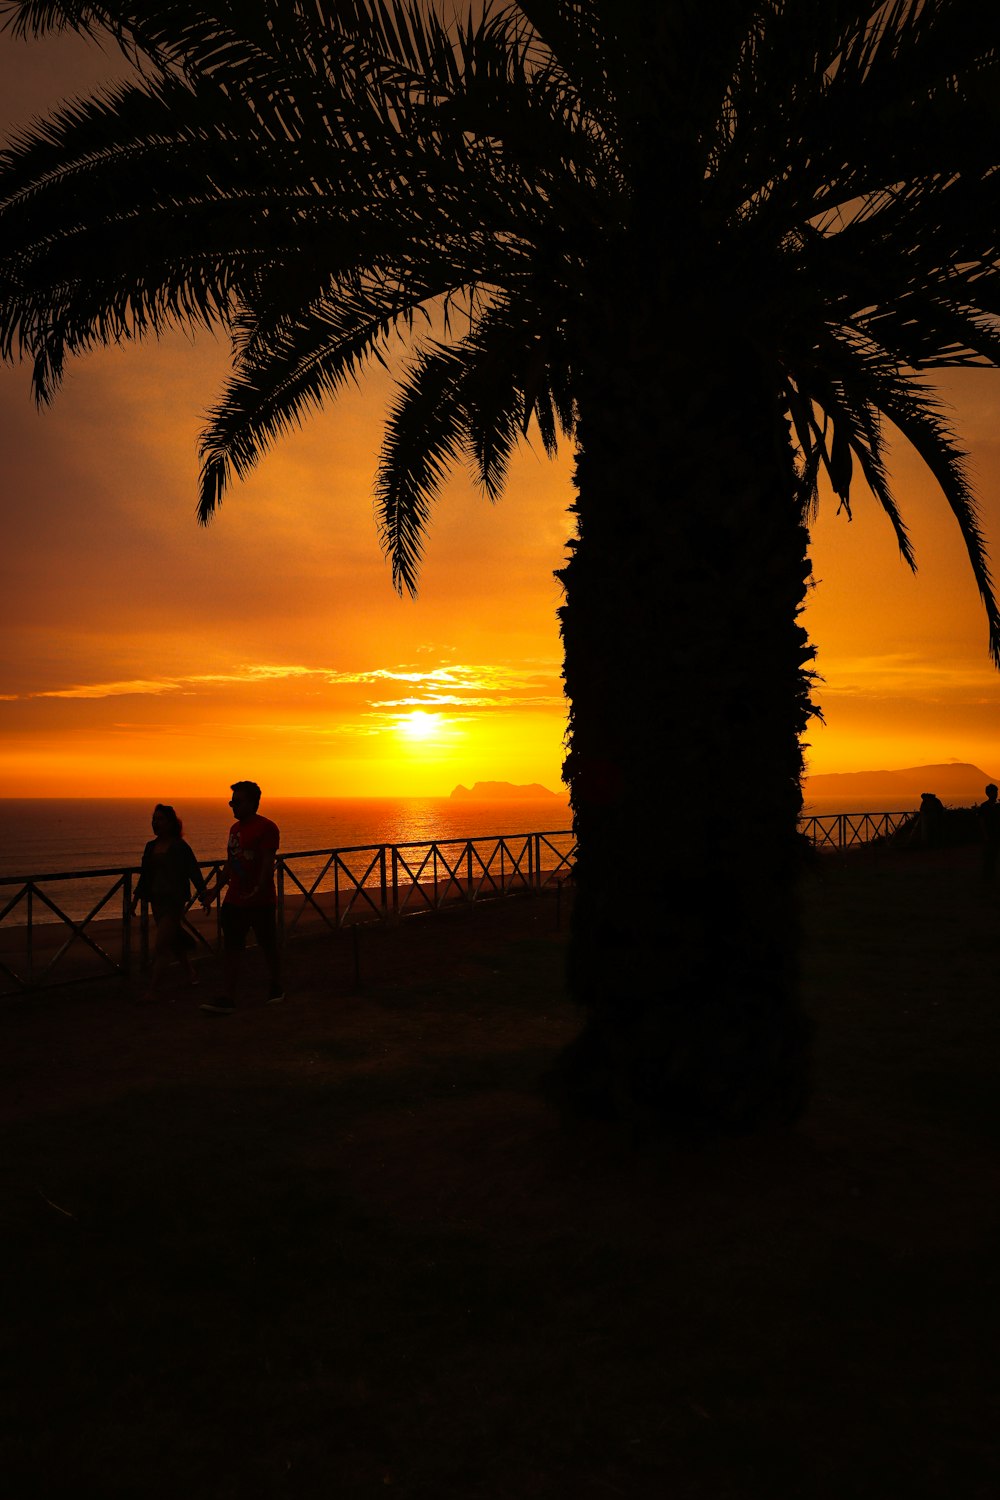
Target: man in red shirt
(250, 901)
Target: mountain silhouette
(500, 791)
(955, 781)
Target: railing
(844, 830)
(316, 888)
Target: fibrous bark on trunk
(685, 669)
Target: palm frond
(918, 418)
(313, 175)
(302, 362)
(425, 433)
(516, 370)
(891, 93)
(36, 17)
(473, 398)
(930, 332)
(917, 415)
(857, 433)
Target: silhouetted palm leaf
(720, 245)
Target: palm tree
(716, 246)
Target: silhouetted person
(989, 829)
(169, 869)
(931, 822)
(251, 900)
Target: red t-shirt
(250, 844)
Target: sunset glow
(419, 726)
(147, 656)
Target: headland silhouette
(495, 791)
(954, 781)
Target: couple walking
(169, 868)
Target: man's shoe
(275, 997)
(220, 1006)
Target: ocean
(827, 806)
(45, 835)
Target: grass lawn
(343, 1248)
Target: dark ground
(343, 1247)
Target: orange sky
(145, 656)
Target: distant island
(956, 781)
(505, 791)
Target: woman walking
(169, 869)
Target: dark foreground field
(343, 1248)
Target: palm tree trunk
(685, 669)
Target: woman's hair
(177, 827)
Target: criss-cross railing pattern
(331, 887)
(372, 881)
(507, 867)
(844, 830)
(350, 891)
(417, 876)
(396, 880)
(429, 876)
(553, 862)
(37, 965)
(32, 948)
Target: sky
(148, 656)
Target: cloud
(463, 678)
(906, 676)
(450, 700)
(257, 673)
(140, 686)
(283, 727)
(482, 686)
(175, 684)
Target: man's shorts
(237, 921)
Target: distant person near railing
(931, 820)
(169, 869)
(989, 826)
(251, 899)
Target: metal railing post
(144, 932)
(126, 954)
(30, 937)
(280, 871)
(395, 881)
(383, 884)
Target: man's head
(245, 799)
(991, 792)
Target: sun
(418, 725)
